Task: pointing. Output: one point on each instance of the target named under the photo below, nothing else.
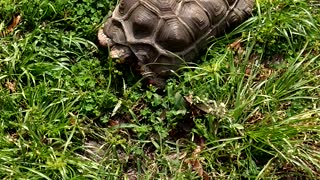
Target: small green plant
(248, 110)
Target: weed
(249, 109)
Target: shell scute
(114, 30)
(143, 22)
(173, 36)
(125, 5)
(216, 9)
(195, 18)
(164, 7)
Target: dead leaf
(113, 123)
(195, 162)
(15, 22)
(200, 107)
(196, 166)
(189, 99)
(255, 117)
(236, 46)
(13, 137)
(11, 86)
(264, 73)
(163, 115)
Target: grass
(250, 109)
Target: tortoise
(160, 36)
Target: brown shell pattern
(158, 30)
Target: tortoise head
(112, 36)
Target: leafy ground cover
(250, 109)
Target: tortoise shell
(164, 34)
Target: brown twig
(16, 20)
